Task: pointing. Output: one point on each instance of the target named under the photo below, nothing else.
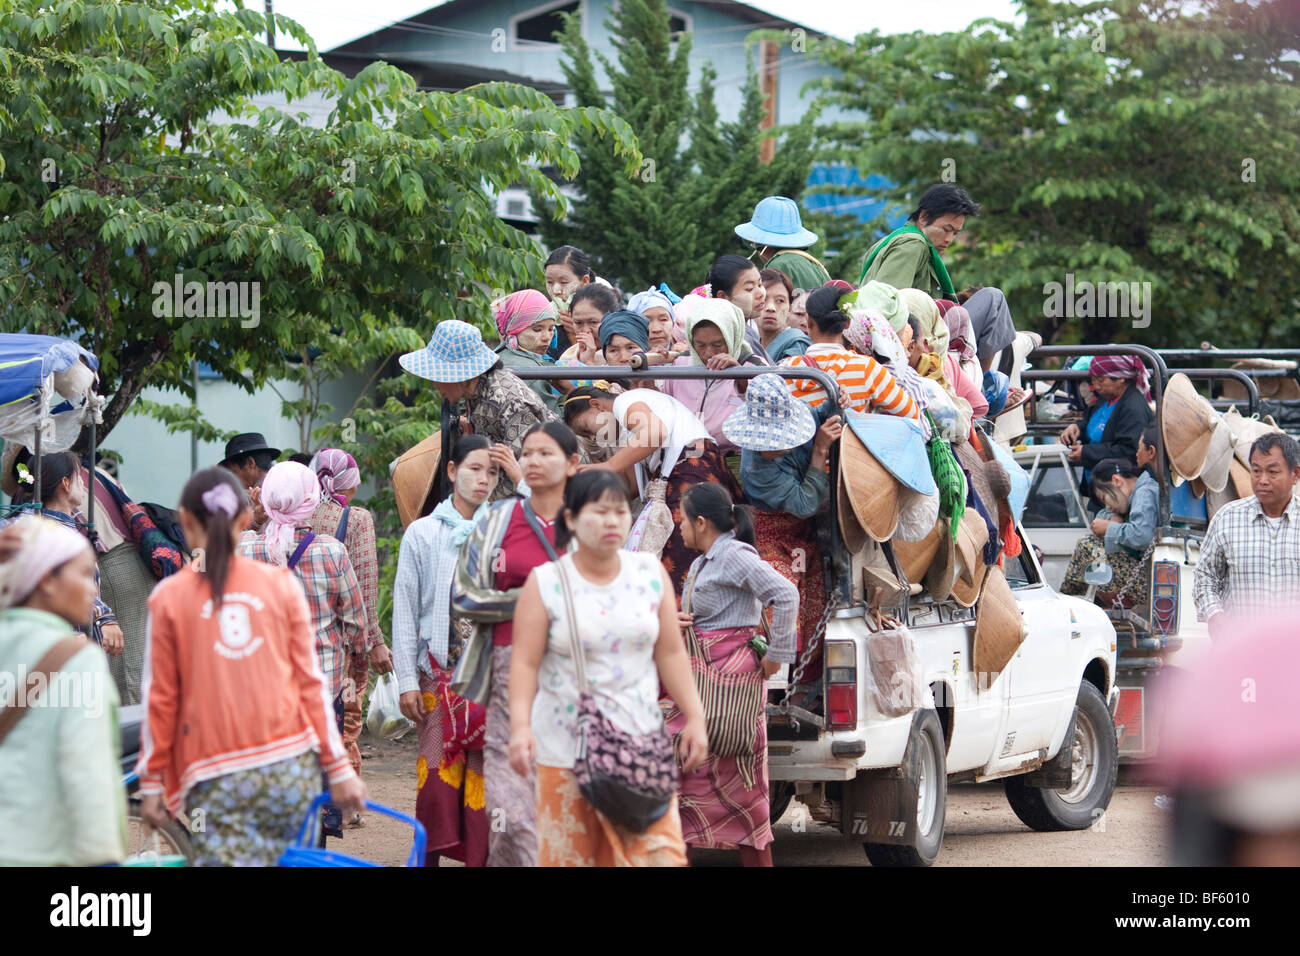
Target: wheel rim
(140, 841)
(927, 787)
(1083, 760)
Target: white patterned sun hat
(455, 353)
(771, 419)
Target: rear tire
(780, 793)
(925, 771)
(1095, 767)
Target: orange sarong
(571, 832)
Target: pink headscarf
(39, 545)
(518, 311)
(290, 493)
(336, 471)
(961, 334)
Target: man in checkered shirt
(1250, 558)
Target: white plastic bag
(385, 718)
(898, 683)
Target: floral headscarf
(336, 471)
(871, 334)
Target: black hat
(241, 446)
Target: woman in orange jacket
(239, 724)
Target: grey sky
(332, 22)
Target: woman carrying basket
(725, 803)
(239, 725)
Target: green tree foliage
(1119, 141)
(699, 177)
(132, 153)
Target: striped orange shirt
(871, 386)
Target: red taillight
(842, 706)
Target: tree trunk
(134, 378)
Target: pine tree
(699, 176)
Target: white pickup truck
(1154, 639)
(1044, 724)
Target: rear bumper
(839, 755)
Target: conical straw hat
(972, 534)
(941, 574)
(1214, 472)
(1244, 432)
(872, 490)
(1240, 476)
(897, 443)
(413, 475)
(1187, 424)
(915, 557)
(851, 532)
(999, 626)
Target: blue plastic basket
(305, 853)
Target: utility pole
(270, 26)
(769, 68)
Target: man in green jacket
(778, 232)
(911, 257)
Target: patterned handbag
(630, 779)
(733, 701)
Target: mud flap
(880, 807)
(1057, 773)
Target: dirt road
(980, 828)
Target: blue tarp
(27, 360)
(865, 206)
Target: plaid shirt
(1247, 568)
(338, 616)
(361, 552)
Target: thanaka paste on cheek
(466, 480)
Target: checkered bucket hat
(771, 419)
(455, 353)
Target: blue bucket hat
(771, 419)
(897, 444)
(455, 353)
(776, 222)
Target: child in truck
(1122, 530)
